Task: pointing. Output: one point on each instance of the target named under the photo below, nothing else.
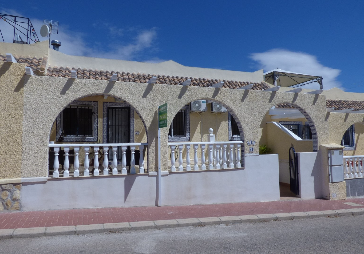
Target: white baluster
(132, 160)
(66, 165)
(231, 156)
(360, 167)
(195, 147)
(141, 159)
(86, 164)
(56, 162)
(351, 168)
(217, 166)
(356, 167)
(114, 160)
(173, 159)
(203, 165)
(123, 160)
(220, 154)
(211, 159)
(238, 155)
(96, 161)
(106, 160)
(188, 166)
(180, 158)
(76, 163)
(224, 165)
(347, 168)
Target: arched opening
(209, 132)
(286, 125)
(94, 133)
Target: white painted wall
(310, 174)
(259, 181)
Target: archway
(286, 125)
(100, 119)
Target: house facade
(79, 132)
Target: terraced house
(78, 132)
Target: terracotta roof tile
(344, 104)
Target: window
(348, 139)
(234, 133)
(180, 126)
(78, 122)
(302, 131)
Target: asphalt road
(320, 235)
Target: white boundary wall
(310, 175)
(259, 181)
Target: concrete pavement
(96, 220)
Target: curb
(159, 224)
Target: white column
(123, 160)
(56, 162)
(86, 164)
(188, 166)
(231, 156)
(217, 166)
(224, 165)
(173, 159)
(355, 160)
(347, 168)
(180, 158)
(203, 165)
(76, 163)
(351, 167)
(238, 155)
(141, 159)
(114, 160)
(132, 160)
(66, 165)
(195, 167)
(211, 159)
(106, 160)
(96, 161)
(360, 166)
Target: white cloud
(75, 43)
(298, 62)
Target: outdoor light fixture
(152, 80)
(10, 58)
(297, 90)
(248, 87)
(73, 74)
(29, 71)
(272, 89)
(186, 83)
(218, 85)
(114, 77)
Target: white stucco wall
(259, 181)
(310, 174)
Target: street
(320, 235)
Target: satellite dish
(44, 31)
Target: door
(293, 171)
(118, 126)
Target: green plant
(263, 149)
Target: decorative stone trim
(10, 197)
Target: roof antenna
(47, 29)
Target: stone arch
(178, 106)
(309, 120)
(67, 102)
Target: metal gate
(118, 127)
(293, 171)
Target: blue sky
(313, 37)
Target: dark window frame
(349, 135)
(178, 137)
(61, 136)
(234, 132)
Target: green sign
(162, 115)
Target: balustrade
(353, 167)
(105, 149)
(213, 155)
